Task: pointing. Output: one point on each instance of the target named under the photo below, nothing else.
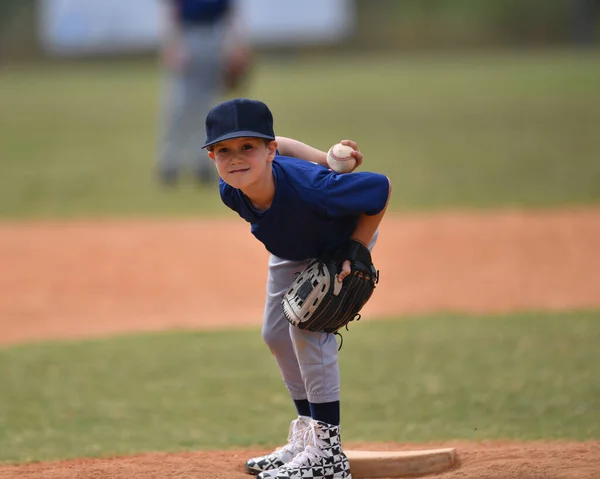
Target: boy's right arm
(297, 149)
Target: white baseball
(340, 159)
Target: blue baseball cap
(238, 118)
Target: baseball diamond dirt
(508, 261)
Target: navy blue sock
(303, 407)
(328, 412)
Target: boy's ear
(272, 147)
(211, 154)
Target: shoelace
(312, 452)
(295, 435)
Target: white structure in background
(82, 27)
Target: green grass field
(452, 131)
(456, 130)
(530, 376)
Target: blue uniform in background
(198, 12)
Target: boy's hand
(346, 270)
(356, 153)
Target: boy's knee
(275, 340)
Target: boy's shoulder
(295, 170)
(302, 172)
(297, 163)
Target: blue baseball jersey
(314, 210)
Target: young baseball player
(299, 209)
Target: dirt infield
(76, 279)
(85, 278)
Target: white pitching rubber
(374, 464)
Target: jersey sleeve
(356, 193)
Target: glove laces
(337, 333)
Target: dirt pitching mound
(491, 460)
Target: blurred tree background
(399, 25)
(460, 23)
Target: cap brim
(238, 134)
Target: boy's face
(243, 162)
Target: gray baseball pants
(308, 361)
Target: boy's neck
(261, 194)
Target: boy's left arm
(315, 302)
(297, 149)
(365, 230)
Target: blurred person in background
(206, 54)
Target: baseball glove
(317, 301)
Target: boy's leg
(317, 355)
(323, 455)
(277, 336)
(308, 363)
(276, 328)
